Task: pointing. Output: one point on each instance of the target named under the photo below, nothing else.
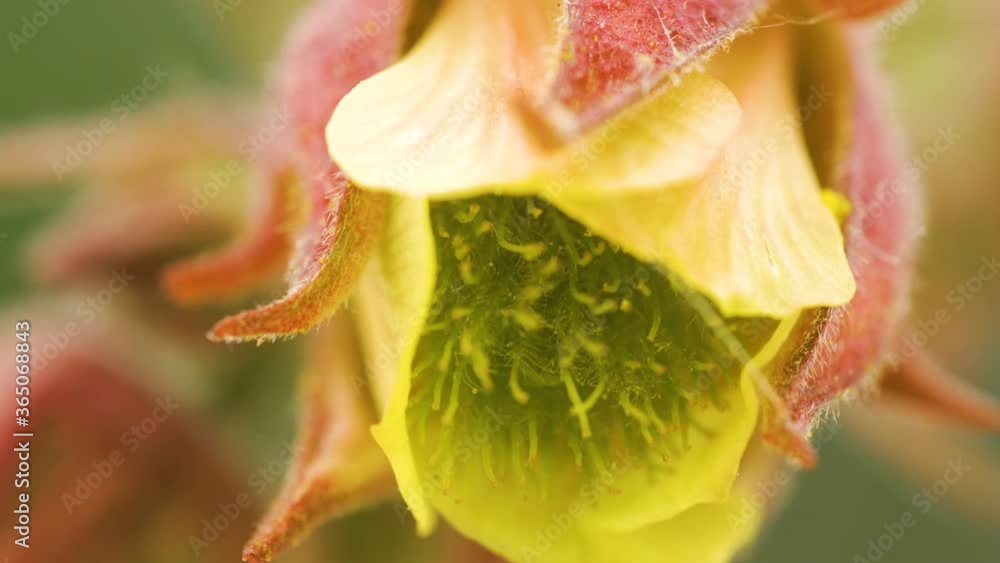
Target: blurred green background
(943, 65)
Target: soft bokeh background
(942, 61)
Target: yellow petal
(446, 118)
(467, 447)
(754, 233)
(392, 302)
(453, 117)
(624, 514)
(672, 136)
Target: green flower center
(547, 344)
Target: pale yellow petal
(454, 117)
(673, 136)
(391, 305)
(625, 514)
(754, 234)
(447, 117)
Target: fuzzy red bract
(851, 342)
(252, 260)
(616, 51)
(335, 45)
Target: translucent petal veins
(323, 63)
(541, 369)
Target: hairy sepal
(844, 347)
(252, 260)
(338, 467)
(323, 62)
(614, 53)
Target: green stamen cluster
(582, 349)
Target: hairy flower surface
(551, 338)
(584, 265)
(613, 236)
(556, 374)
